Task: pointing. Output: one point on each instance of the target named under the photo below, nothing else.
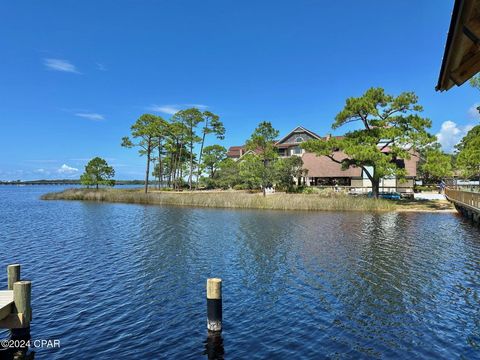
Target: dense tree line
(391, 129)
(259, 168)
(170, 144)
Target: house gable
(298, 135)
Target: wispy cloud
(166, 109)
(450, 135)
(473, 112)
(42, 171)
(101, 67)
(60, 65)
(42, 161)
(65, 169)
(198, 106)
(90, 116)
(172, 109)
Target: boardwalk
(467, 203)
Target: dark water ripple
(115, 281)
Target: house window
(299, 139)
(297, 150)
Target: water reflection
(296, 284)
(18, 336)
(214, 347)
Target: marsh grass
(227, 199)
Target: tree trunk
(375, 180)
(175, 163)
(170, 174)
(179, 165)
(191, 166)
(96, 185)
(201, 153)
(160, 164)
(375, 187)
(147, 172)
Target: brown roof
(461, 58)
(322, 166)
(235, 151)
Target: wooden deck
(6, 301)
(467, 203)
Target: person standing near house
(441, 187)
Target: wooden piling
(22, 295)
(13, 275)
(214, 305)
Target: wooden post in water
(22, 296)
(214, 305)
(13, 275)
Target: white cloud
(473, 112)
(60, 65)
(65, 169)
(172, 109)
(198, 106)
(101, 67)
(90, 116)
(166, 109)
(450, 135)
(42, 171)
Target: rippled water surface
(115, 281)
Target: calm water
(115, 281)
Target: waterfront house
(322, 171)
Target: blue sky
(76, 74)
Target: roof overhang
(461, 59)
(297, 130)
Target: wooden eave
(461, 59)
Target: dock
(467, 203)
(15, 302)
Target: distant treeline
(66, 182)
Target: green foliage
(146, 130)
(472, 136)
(287, 170)
(262, 141)
(98, 172)
(170, 144)
(468, 159)
(253, 173)
(390, 129)
(435, 165)
(259, 170)
(475, 81)
(227, 175)
(190, 118)
(211, 125)
(213, 155)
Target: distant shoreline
(68, 182)
(243, 200)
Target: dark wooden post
(214, 305)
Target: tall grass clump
(228, 199)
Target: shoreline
(235, 199)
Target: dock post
(13, 275)
(214, 305)
(22, 296)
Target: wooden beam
(466, 69)
(5, 311)
(14, 321)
